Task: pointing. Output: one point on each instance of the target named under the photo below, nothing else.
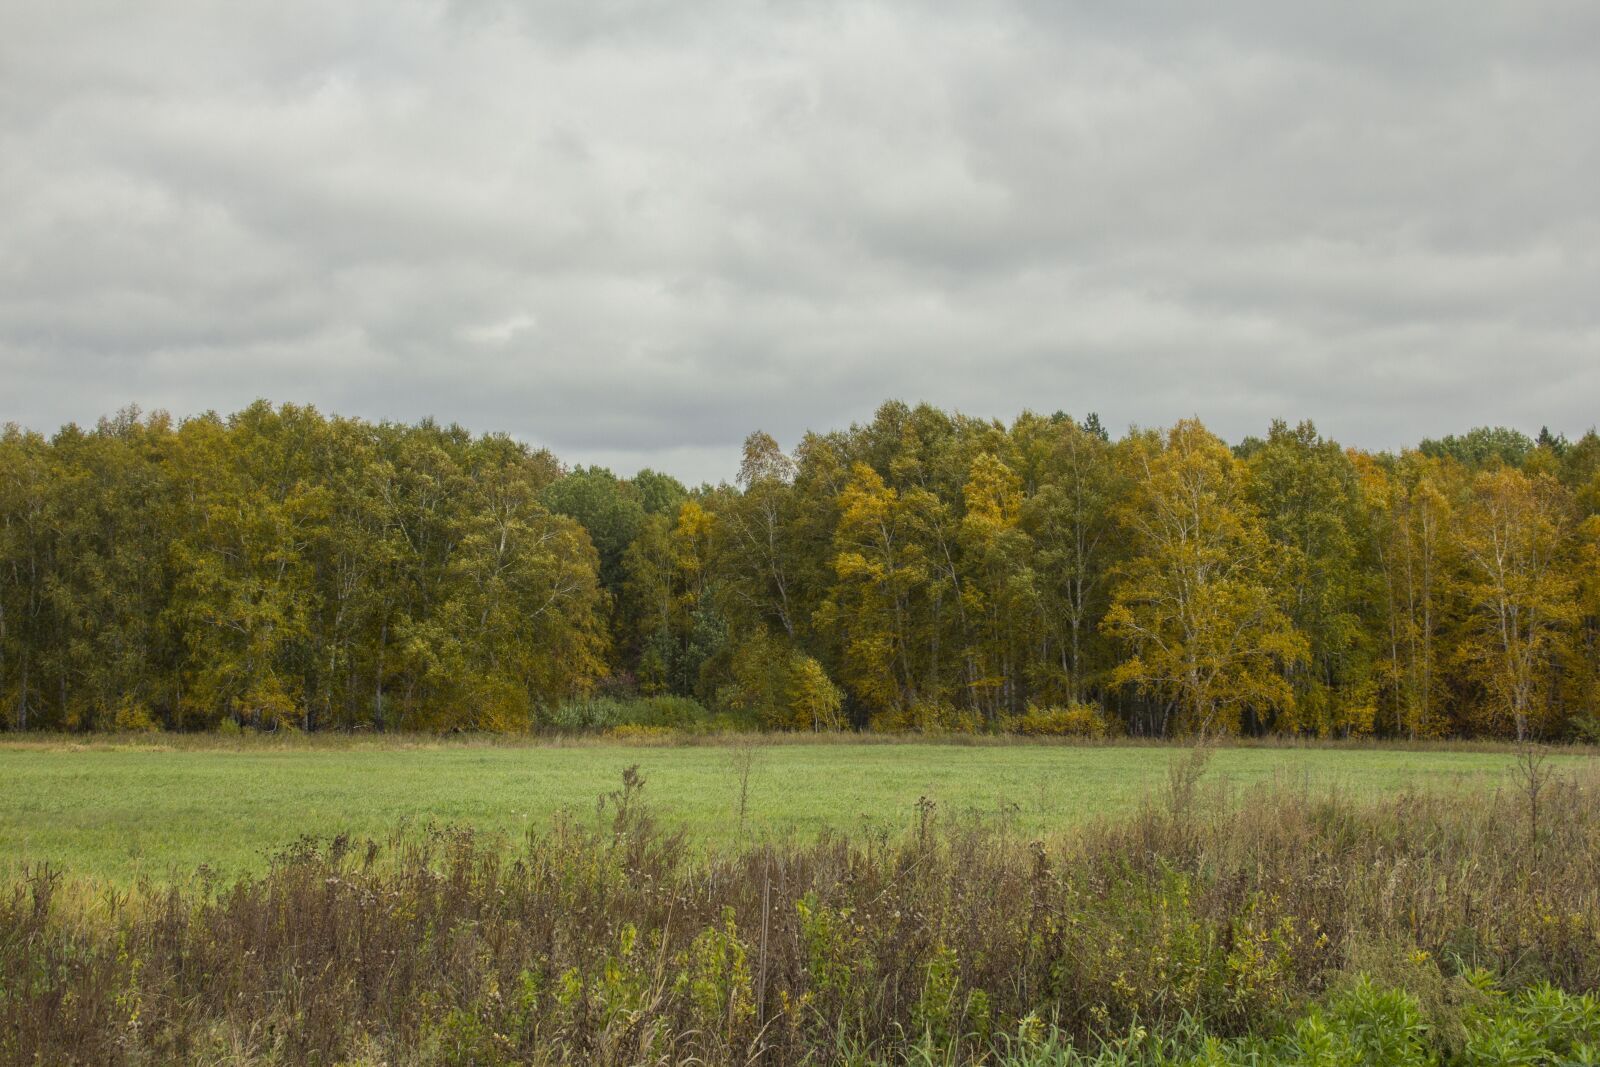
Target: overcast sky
(635, 231)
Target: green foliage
(1308, 493)
(1363, 1027)
(1481, 447)
(1586, 729)
(937, 1012)
(714, 979)
(611, 513)
(594, 714)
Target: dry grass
(364, 740)
(606, 940)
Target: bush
(677, 713)
(780, 688)
(928, 717)
(606, 714)
(588, 714)
(1586, 729)
(1071, 720)
(133, 717)
(1363, 1026)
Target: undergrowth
(1282, 927)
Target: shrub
(604, 714)
(928, 717)
(132, 716)
(674, 712)
(1071, 720)
(1586, 729)
(588, 713)
(1364, 1027)
(781, 687)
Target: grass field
(119, 811)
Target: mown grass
(157, 808)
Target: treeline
(924, 571)
(279, 567)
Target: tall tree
(358, 559)
(1521, 599)
(245, 596)
(112, 524)
(26, 565)
(1308, 493)
(1195, 602)
(1410, 512)
(882, 571)
(609, 510)
(526, 602)
(1072, 518)
(999, 594)
(672, 581)
(758, 522)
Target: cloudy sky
(634, 230)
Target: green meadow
(121, 811)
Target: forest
(278, 568)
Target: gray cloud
(634, 231)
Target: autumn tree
(1521, 599)
(358, 559)
(1072, 520)
(882, 571)
(1410, 507)
(672, 584)
(1585, 645)
(26, 566)
(1308, 494)
(757, 551)
(1195, 603)
(525, 599)
(113, 523)
(243, 594)
(280, 568)
(999, 593)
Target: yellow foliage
(928, 717)
(787, 688)
(134, 717)
(1071, 720)
(1195, 605)
(813, 700)
(1523, 600)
